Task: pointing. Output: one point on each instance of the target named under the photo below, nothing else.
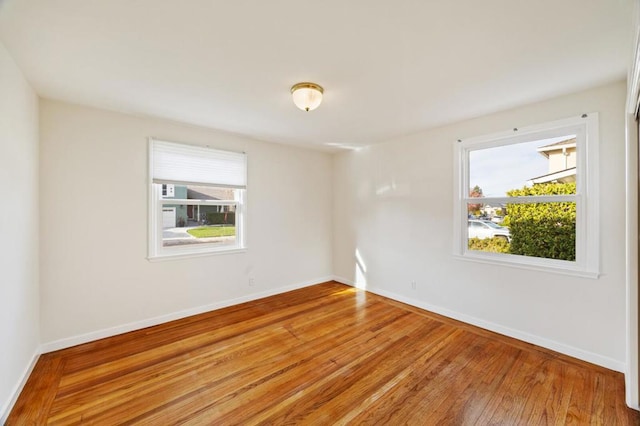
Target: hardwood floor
(326, 354)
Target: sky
(497, 170)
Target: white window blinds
(188, 164)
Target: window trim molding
(155, 203)
(587, 262)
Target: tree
(476, 192)
(546, 230)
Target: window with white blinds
(188, 164)
(196, 200)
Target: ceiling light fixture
(307, 96)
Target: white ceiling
(389, 68)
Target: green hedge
(495, 244)
(545, 230)
(226, 218)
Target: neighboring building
(491, 211)
(174, 215)
(199, 213)
(185, 214)
(562, 162)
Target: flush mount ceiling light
(307, 96)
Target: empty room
(344, 212)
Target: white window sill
(531, 264)
(189, 255)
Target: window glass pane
(493, 172)
(195, 192)
(215, 234)
(486, 235)
(185, 223)
(546, 230)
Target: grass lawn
(213, 231)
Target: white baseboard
(578, 353)
(342, 280)
(6, 409)
(137, 325)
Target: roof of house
(563, 176)
(560, 143)
(205, 193)
(567, 143)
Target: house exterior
(180, 215)
(491, 211)
(174, 215)
(197, 212)
(562, 162)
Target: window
(168, 191)
(529, 197)
(196, 200)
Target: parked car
(486, 229)
(497, 219)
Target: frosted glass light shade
(307, 96)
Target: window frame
(156, 203)
(586, 128)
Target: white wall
(95, 278)
(405, 234)
(19, 306)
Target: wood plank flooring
(326, 354)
